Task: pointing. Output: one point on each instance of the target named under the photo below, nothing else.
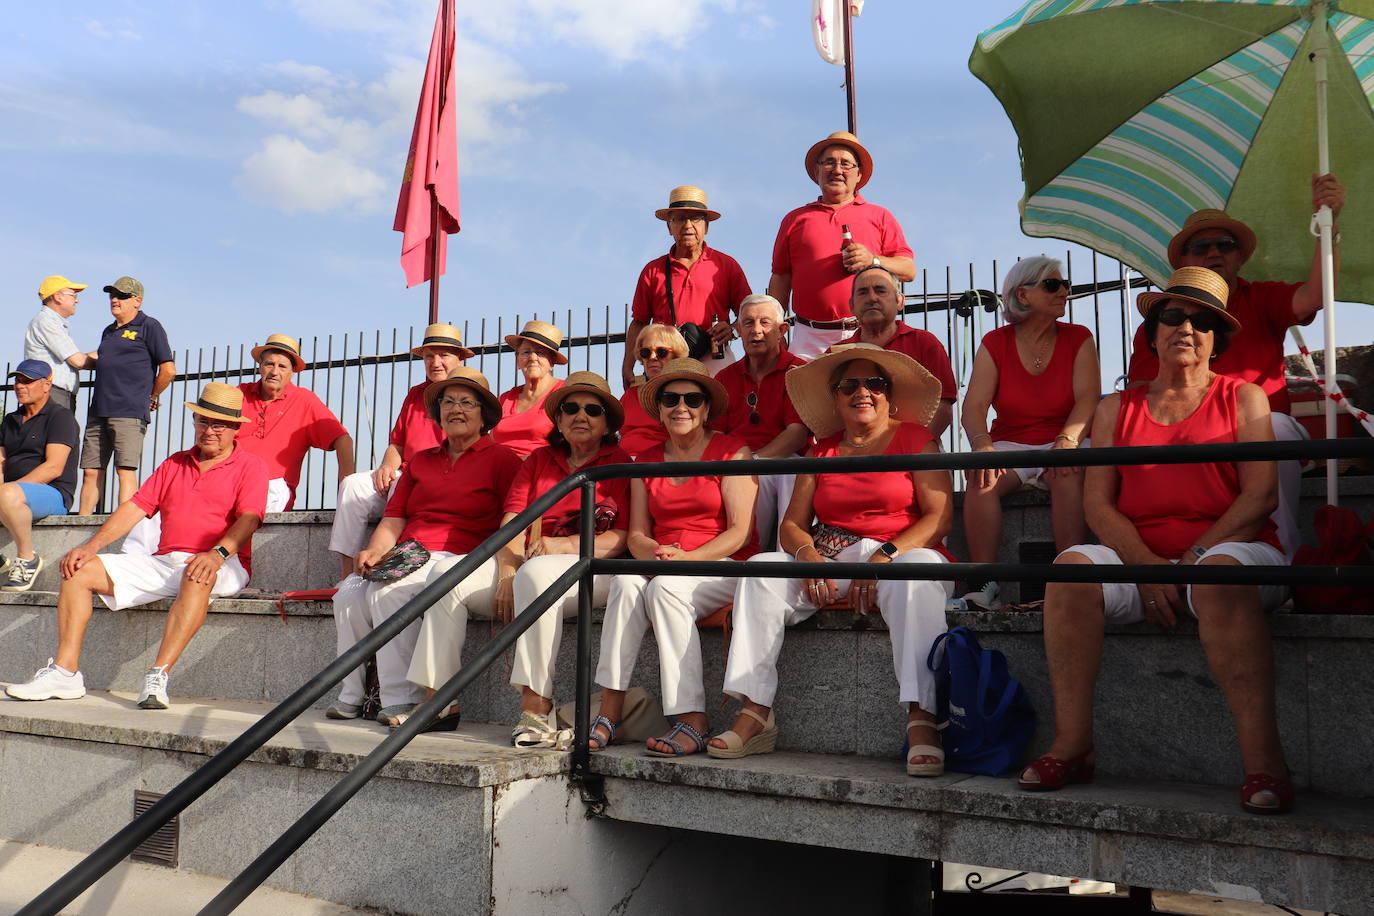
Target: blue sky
(242, 159)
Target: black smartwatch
(220, 549)
(889, 549)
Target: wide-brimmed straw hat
(283, 343)
(1211, 219)
(687, 199)
(466, 376)
(443, 335)
(676, 370)
(219, 401)
(586, 383)
(840, 138)
(1197, 285)
(914, 396)
(542, 333)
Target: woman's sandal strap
(762, 720)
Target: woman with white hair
(1040, 375)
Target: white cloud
(302, 74)
(107, 33)
(293, 177)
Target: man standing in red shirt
(691, 284)
(813, 258)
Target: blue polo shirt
(127, 364)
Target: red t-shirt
(548, 465)
(197, 508)
(526, 431)
(1172, 505)
(282, 430)
(873, 504)
(1265, 313)
(926, 349)
(808, 248)
(694, 514)
(1031, 409)
(711, 288)
(773, 411)
(454, 505)
(415, 429)
(640, 432)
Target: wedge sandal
(736, 747)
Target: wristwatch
(222, 551)
(876, 263)
(889, 549)
(1198, 552)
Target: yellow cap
(52, 284)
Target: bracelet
(1072, 440)
(795, 553)
(975, 438)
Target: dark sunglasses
(660, 352)
(1205, 321)
(752, 399)
(1052, 284)
(874, 383)
(1202, 246)
(116, 294)
(570, 409)
(693, 399)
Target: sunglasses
(752, 399)
(660, 352)
(874, 383)
(116, 294)
(693, 399)
(1202, 246)
(1204, 321)
(571, 410)
(1052, 284)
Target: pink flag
(431, 173)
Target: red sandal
(1053, 773)
(1255, 783)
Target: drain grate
(164, 846)
(1038, 553)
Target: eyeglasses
(680, 218)
(1051, 284)
(460, 403)
(752, 399)
(67, 292)
(874, 383)
(693, 399)
(571, 410)
(1205, 321)
(660, 352)
(214, 425)
(116, 294)
(840, 164)
(1223, 245)
(531, 353)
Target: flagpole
(849, 66)
(446, 12)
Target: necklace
(1039, 353)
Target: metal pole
(849, 68)
(582, 756)
(446, 12)
(1324, 222)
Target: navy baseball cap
(32, 369)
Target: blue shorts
(43, 500)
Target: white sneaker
(50, 683)
(154, 694)
(986, 598)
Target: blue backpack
(986, 718)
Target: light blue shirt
(47, 339)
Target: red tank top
(693, 513)
(640, 432)
(1171, 505)
(1031, 409)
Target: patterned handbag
(832, 539)
(399, 562)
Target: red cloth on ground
(548, 465)
(926, 349)
(415, 429)
(454, 505)
(693, 513)
(640, 432)
(525, 431)
(1031, 409)
(282, 430)
(1172, 505)
(774, 411)
(711, 288)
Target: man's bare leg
(185, 618)
(74, 610)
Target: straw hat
(542, 333)
(692, 371)
(586, 383)
(469, 378)
(1197, 285)
(1211, 219)
(840, 138)
(443, 335)
(690, 199)
(219, 401)
(283, 343)
(914, 397)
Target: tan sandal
(924, 750)
(735, 746)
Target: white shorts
(1121, 600)
(141, 579)
(1032, 476)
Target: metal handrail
(90, 869)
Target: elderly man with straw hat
(690, 285)
(212, 497)
(819, 245)
(363, 495)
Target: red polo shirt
(808, 248)
(711, 288)
(1265, 313)
(415, 429)
(523, 431)
(282, 430)
(197, 508)
(926, 349)
(761, 424)
(640, 432)
(548, 465)
(454, 505)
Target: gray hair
(762, 299)
(1025, 272)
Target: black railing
(112, 851)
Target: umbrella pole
(1323, 222)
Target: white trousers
(673, 605)
(775, 492)
(439, 649)
(359, 503)
(807, 343)
(359, 606)
(143, 539)
(914, 611)
(1285, 517)
(537, 647)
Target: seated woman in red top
(676, 518)
(658, 343)
(1212, 514)
(858, 399)
(1040, 374)
(524, 424)
(450, 500)
(586, 419)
